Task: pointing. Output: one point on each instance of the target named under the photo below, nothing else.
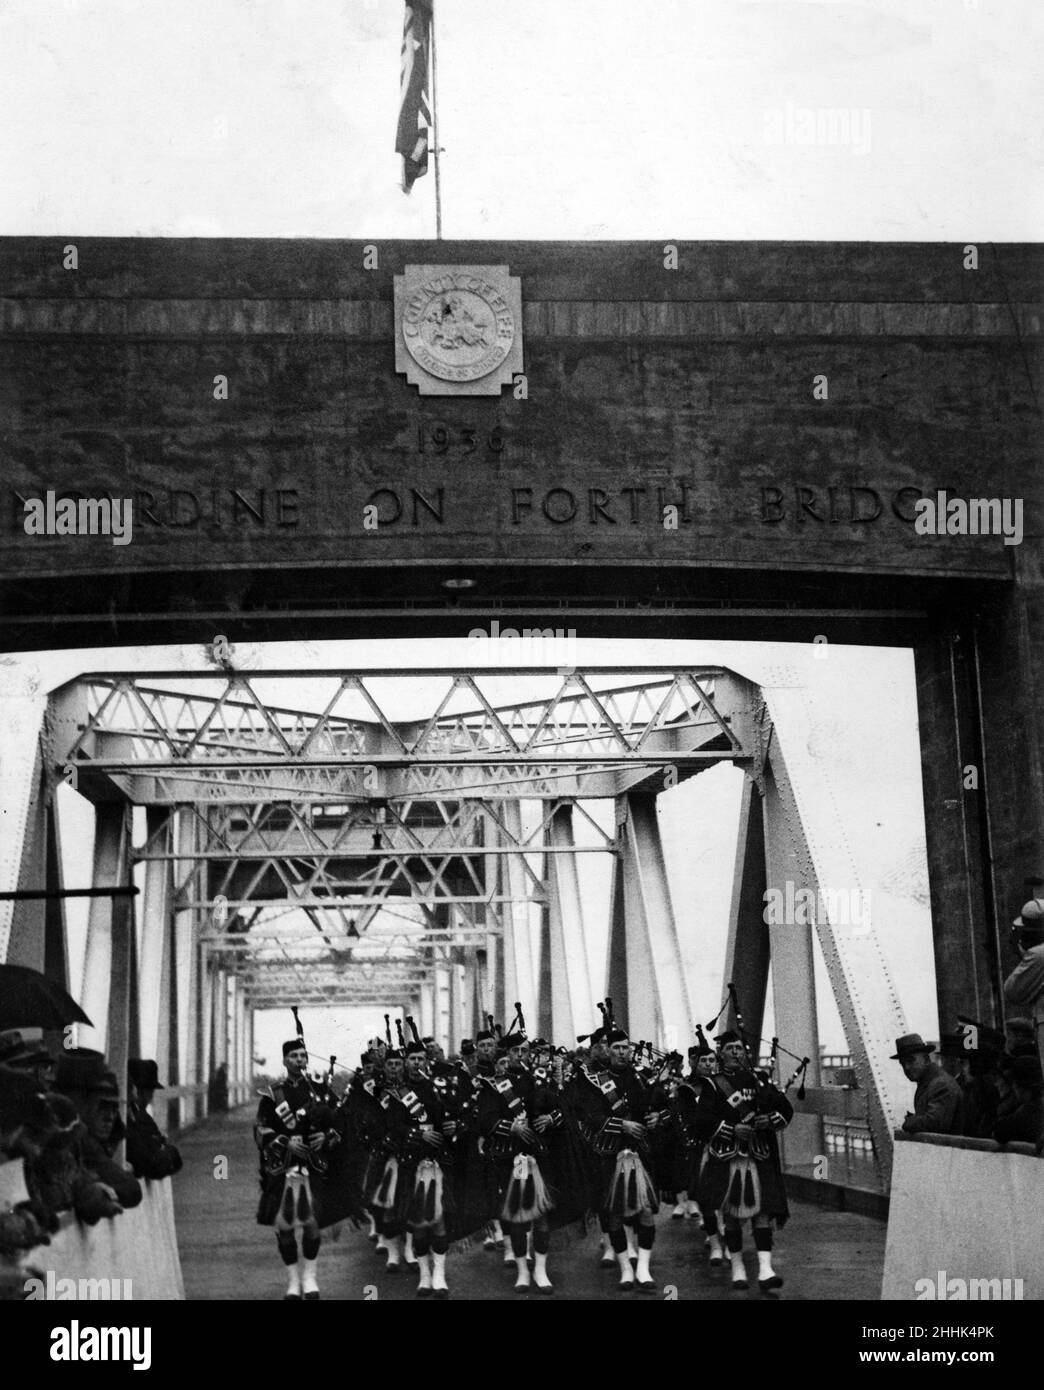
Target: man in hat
(43, 1127)
(1019, 1037)
(149, 1152)
(613, 1112)
(981, 1095)
(93, 1089)
(938, 1104)
(297, 1126)
(1025, 1123)
(1025, 985)
(738, 1117)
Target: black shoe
(544, 1288)
(393, 1269)
(291, 1298)
(626, 1286)
(767, 1285)
(312, 1297)
(424, 1293)
(647, 1286)
(739, 1284)
(440, 1293)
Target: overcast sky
(559, 118)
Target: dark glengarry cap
(292, 1045)
(729, 1036)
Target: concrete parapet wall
(963, 1212)
(138, 1248)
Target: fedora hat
(82, 1069)
(144, 1073)
(16, 1051)
(910, 1043)
(1031, 918)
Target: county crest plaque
(458, 329)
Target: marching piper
(412, 1193)
(738, 1116)
(517, 1112)
(613, 1115)
(296, 1128)
(704, 1064)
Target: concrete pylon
(657, 996)
(572, 1005)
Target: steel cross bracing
(209, 736)
(327, 815)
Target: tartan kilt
(713, 1186)
(326, 1207)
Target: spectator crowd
(61, 1116)
(988, 1084)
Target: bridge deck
(822, 1255)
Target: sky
(691, 119)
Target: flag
(411, 140)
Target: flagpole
(435, 131)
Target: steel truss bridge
(411, 839)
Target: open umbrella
(30, 1000)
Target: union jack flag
(411, 140)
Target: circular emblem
(458, 327)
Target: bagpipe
(731, 998)
(651, 1062)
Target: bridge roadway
(225, 1254)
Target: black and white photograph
(521, 669)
